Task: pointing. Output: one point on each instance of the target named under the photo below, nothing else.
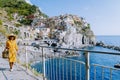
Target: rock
(101, 44)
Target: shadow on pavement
(4, 69)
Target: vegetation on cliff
(22, 9)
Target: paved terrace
(19, 72)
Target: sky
(103, 15)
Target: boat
(117, 65)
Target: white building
(69, 20)
(42, 31)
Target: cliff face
(70, 31)
(72, 38)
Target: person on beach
(12, 47)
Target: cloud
(28, 1)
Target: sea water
(55, 72)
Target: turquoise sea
(102, 59)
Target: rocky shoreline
(35, 54)
(102, 44)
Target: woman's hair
(11, 37)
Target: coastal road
(19, 72)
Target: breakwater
(113, 47)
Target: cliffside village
(59, 29)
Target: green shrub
(0, 22)
(2, 30)
(17, 24)
(26, 21)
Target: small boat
(117, 65)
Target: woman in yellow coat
(12, 47)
